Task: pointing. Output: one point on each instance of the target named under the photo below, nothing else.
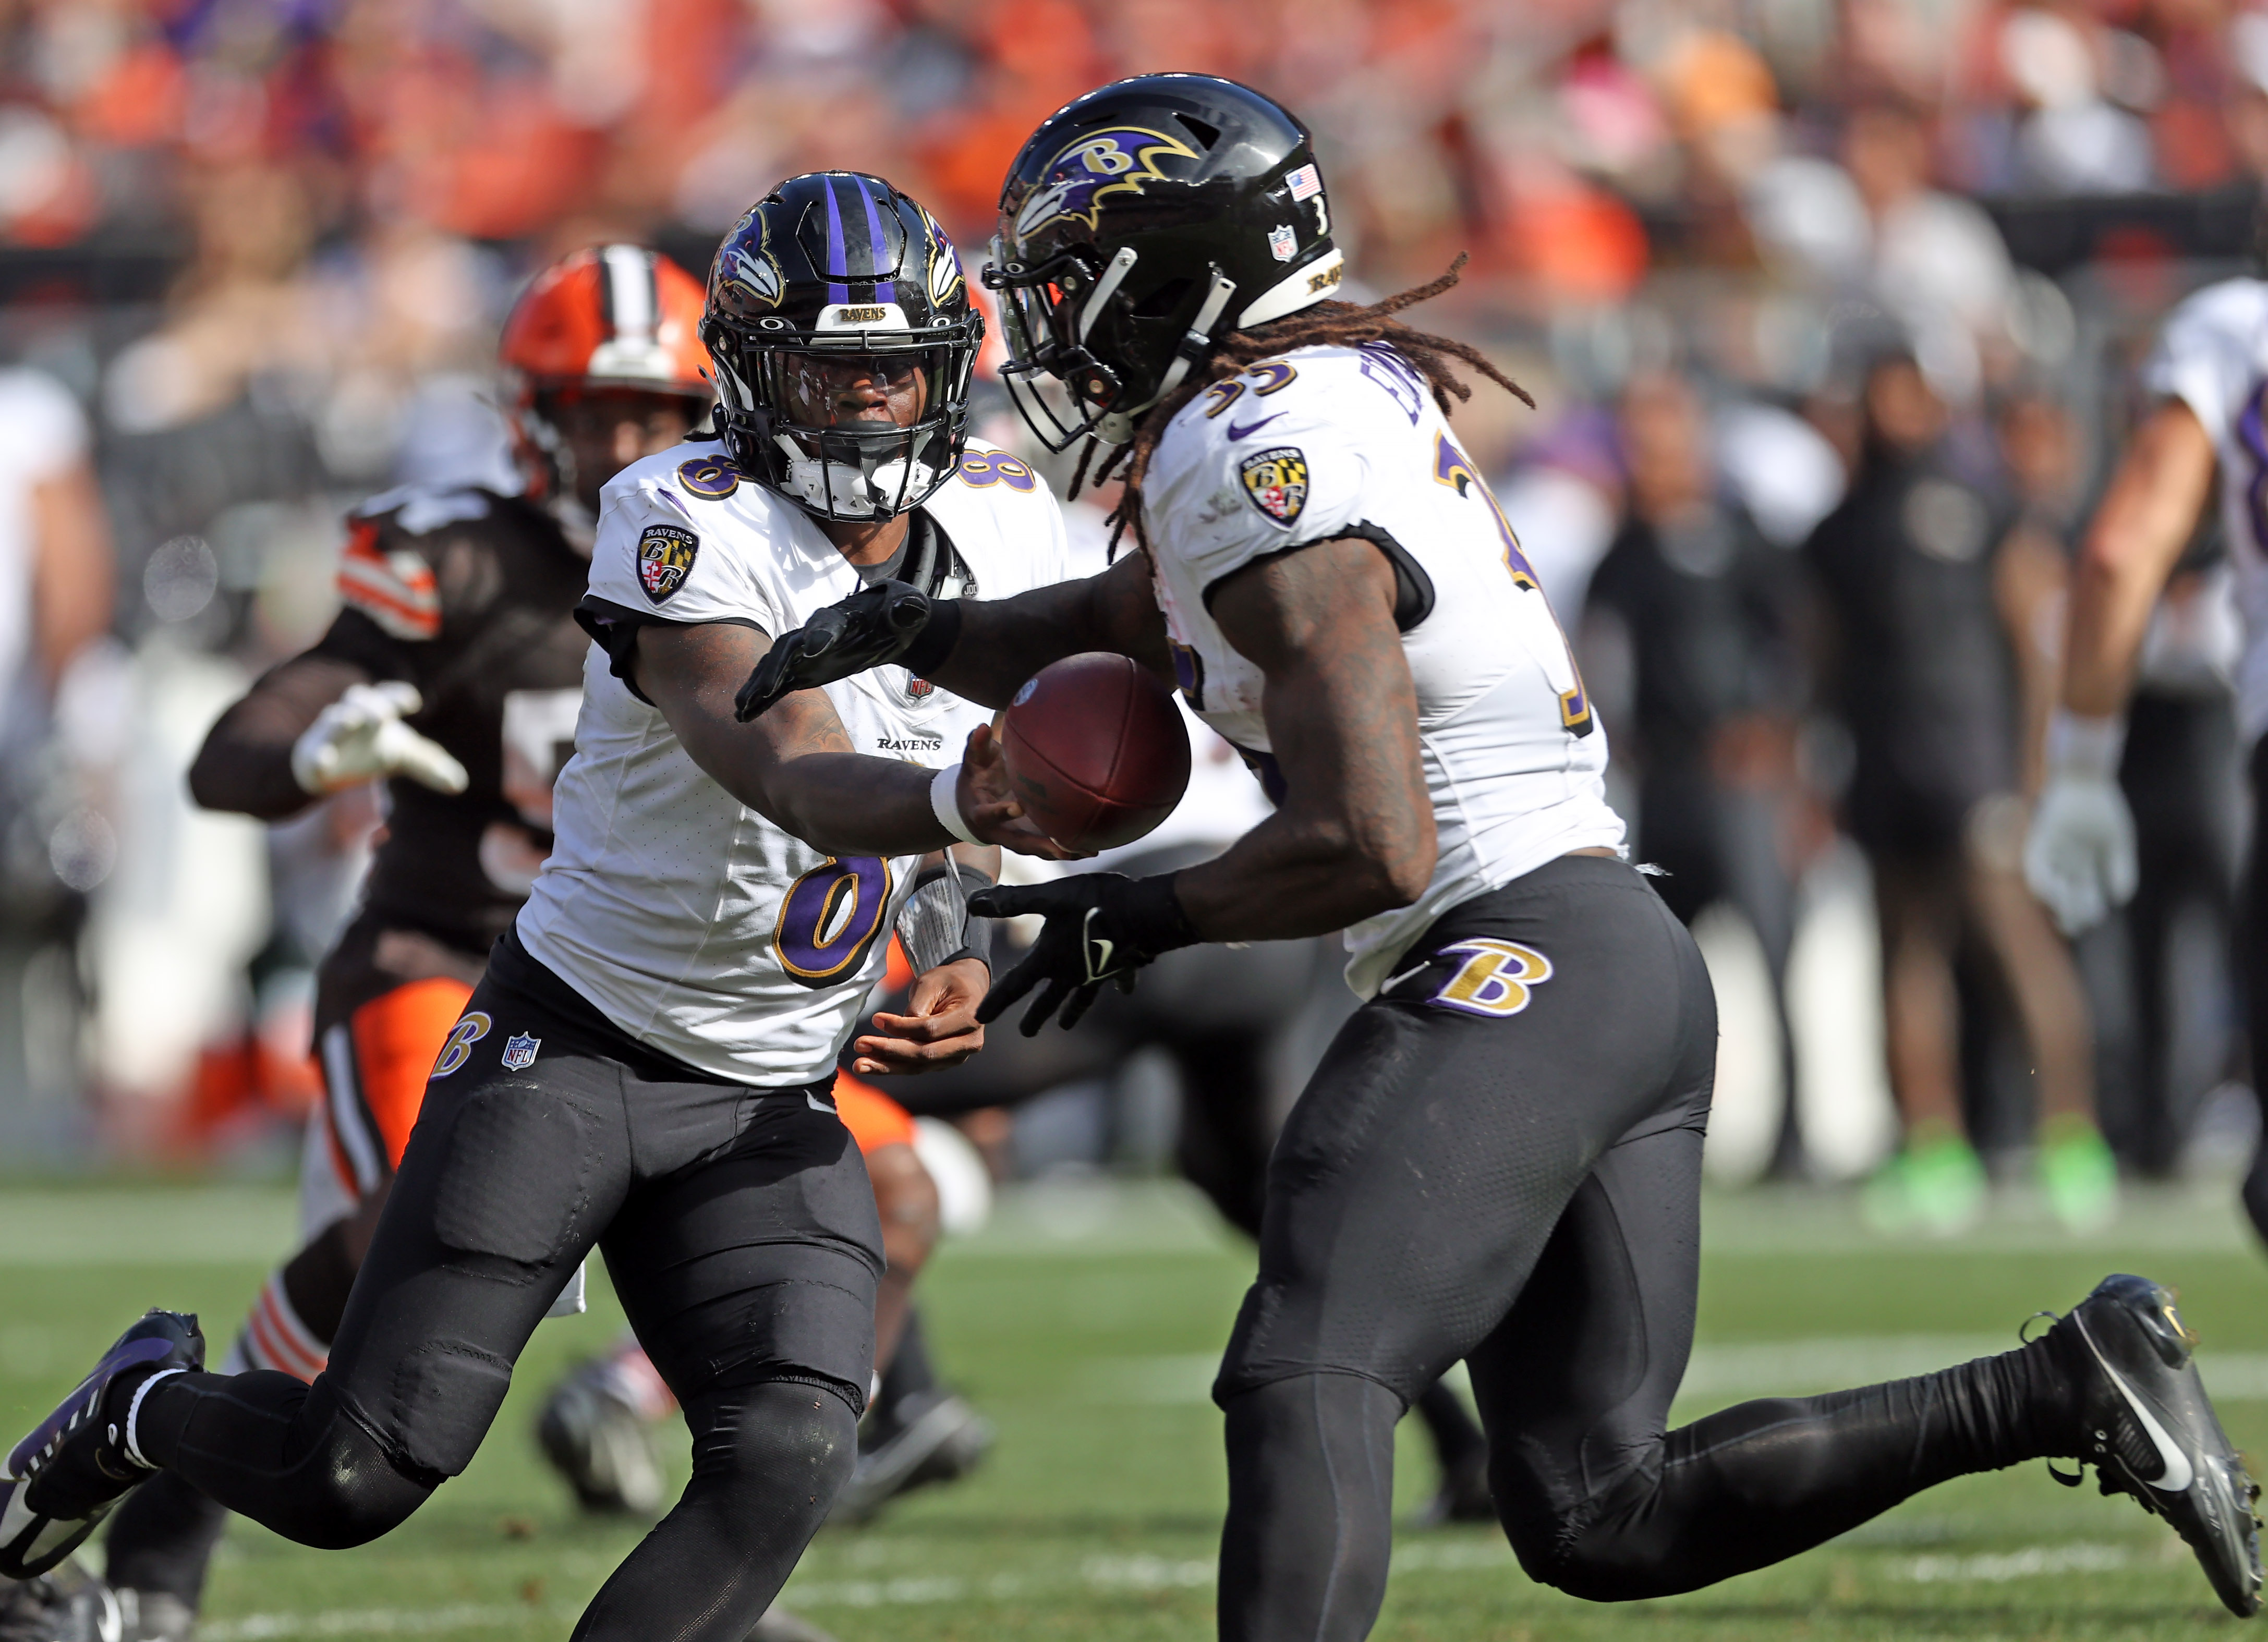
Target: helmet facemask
(790, 415)
(1066, 318)
(833, 280)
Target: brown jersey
(470, 597)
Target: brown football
(1095, 750)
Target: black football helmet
(1139, 223)
(836, 275)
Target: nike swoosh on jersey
(2178, 1474)
(1246, 430)
(1389, 986)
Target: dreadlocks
(1325, 325)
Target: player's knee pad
(1605, 1549)
(354, 1490)
(755, 1445)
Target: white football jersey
(1330, 442)
(691, 922)
(2213, 355)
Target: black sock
(1754, 1484)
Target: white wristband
(2082, 746)
(945, 803)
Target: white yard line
(1099, 1574)
(2032, 1562)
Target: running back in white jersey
(691, 922)
(1331, 442)
(2213, 355)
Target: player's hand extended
(2079, 857)
(361, 736)
(940, 1029)
(1101, 926)
(988, 802)
(871, 627)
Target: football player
(1500, 1158)
(452, 673)
(2205, 378)
(649, 1058)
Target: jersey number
(1452, 467)
(1270, 376)
(830, 918)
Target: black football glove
(874, 626)
(1101, 926)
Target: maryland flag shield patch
(665, 560)
(1276, 481)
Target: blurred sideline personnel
(649, 1054)
(1920, 571)
(58, 589)
(2206, 376)
(1500, 1158)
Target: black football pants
(740, 1228)
(1499, 1160)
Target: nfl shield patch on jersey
(520, 1051)
(1277, 482)
(665, 559)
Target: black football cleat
(63, 1478)
(2150, 1432)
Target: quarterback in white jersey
(1498, 1159)
(695, 923)
(2208, 377)
(650, 1062)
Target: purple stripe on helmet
(885, 290)
(837, 262)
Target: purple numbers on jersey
(829, 918)
(1451, 468)
(1397, 375)
(711, 478)
(979, 468)
(2250, 434)
(1188, 672)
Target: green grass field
(1084, 1321)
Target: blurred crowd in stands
(1831, 309)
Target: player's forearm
(841, 802)
(245, 765)
(1292, 877)
(1355, 835)
(1002, 641)
(2137, 536)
